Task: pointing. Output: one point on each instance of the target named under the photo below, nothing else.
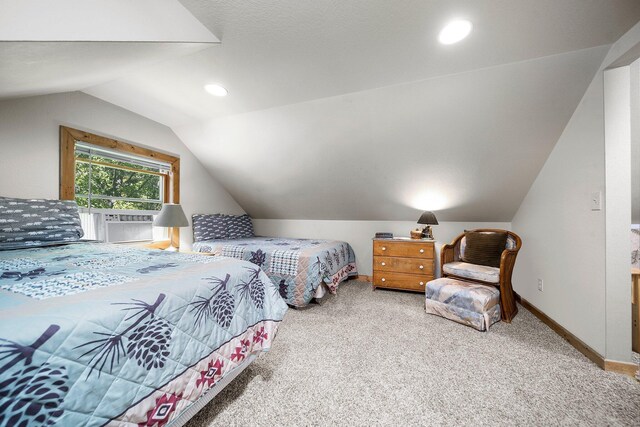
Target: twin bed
(99, 334)
(302, 269)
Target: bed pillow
(240, 227)
(484, 248)
(210, 227)
(27, 223)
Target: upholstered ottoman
(471, 304)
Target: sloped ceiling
(352, 110)
(39, 68)
(467, 145)
(74, 44)
(100, 21)
(289, 51)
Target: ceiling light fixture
(216, 90)
(455, 31)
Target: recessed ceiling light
(455, 31)
(216, 90)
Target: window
(104, 174)
(106, 179)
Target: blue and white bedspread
(297, 266)
(95, 334)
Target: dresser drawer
(403, 249)
(403, 265)
(410, 282)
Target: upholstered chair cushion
(484, 248)
(210, 227)
(473, 271)
(240, 227)
(26, 223)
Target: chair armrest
(507, 298)
(448, 251)
(507, 261)
(447, 255)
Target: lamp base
(427, 233)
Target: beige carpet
(376, 358)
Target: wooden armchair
(452, 255)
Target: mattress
(98, 334)
(297, 266)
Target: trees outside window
(104, 183)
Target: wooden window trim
(68, 139)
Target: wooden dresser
(406, 264)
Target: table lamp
(171, 216)
(428, 218)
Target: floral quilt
(296, 266)
(97, 334)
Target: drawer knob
(383, 279)
(421, 251)
(421, 267)
(384, 248)
(383, 263)
(421, 283)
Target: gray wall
(29, 148)
(635, 145)
(565, 241)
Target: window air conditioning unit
(127, 227)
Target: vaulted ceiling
(352, 109)
(467, 145)
(284, 52)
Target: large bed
(97, 334)
(302, 269)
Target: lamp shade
(171, 215)
(428, 218)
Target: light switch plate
(596, 201)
